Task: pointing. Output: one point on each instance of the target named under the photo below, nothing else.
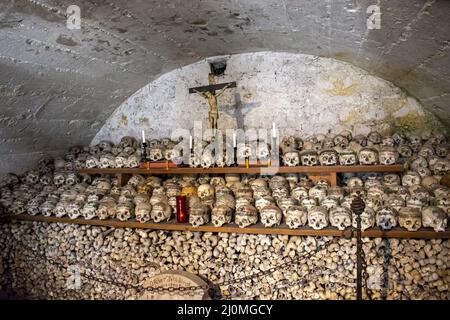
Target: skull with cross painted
(199, 215)
(246, 215)
(340, 217)
(386, 218)
(434, 217)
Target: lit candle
(143, 136)
(190, 142)
(273, 130)
(234, 139)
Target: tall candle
(190, 142)
(273, 130)
(234, 139)
(143, 136)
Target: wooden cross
(209, 93)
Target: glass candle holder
(182, 213)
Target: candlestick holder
(235, 157)
(144, 152)
(182, 212)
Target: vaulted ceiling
(58, 86)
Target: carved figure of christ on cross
(209, 93)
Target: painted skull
(285, 203)
(434, 217)
(270, 216)
(246, 215)
(374, 137)
(404, 151)
(199, 215)
(296, 216)
(221, 214)
(317, 217)
(410, 218)
(386, 218)
(89, 210)
(309, 158)
(156, 153)
(291, 158)
(411, 178)
(143, 212)
(340, 217)
(260, 203)
(368, 156)
(125, 210)
(328, 158)
(106, 209)
(299, 193)
(207, 160)
(347, 158)
(367, 219)
(120, 160)
(388, 156)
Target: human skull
(246, 215)
(32, 206)
(221, 214)
(391, 179)
(106, 209)
(72, 179)
(291, 158)
(368, 156)
(264, 201)
(404, 151)
(317, 192)
(205, 191)
(410, 218)
(309, 158)
(199, 215)
(89, 210)
(340, 141)
(347, 158)
(127, 142)
(386, 218)
(161, 211)
(394, 201)
(374, 138)
(442, 150)
(355, 182)
(92, 161)
(336, 193)
(328, 158)
(434, 217)
(299, 193)
(195, 160)
(387, 142)
(427, 150)
(133, 161)
(340, 217)
(288, 144)
(418, 162)
(32, 177)
(441, 167)
(388, 156)
(308, 203)
(143, 212)
(399, 137)
(74, 209)
(156, 153)
(411, 178)
(270, 216)
(120, 160)
(243, 151)
(317, 217)
(285, 203)
(125, 210)
(367, 219)
(59, 178)
(296, 216)
(329, 203)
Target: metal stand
(358, 207)
(235, 157)
(144, 152)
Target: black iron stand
(144, 152)
(358, 207)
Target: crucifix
(210, 94)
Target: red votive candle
(182, 214)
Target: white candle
(273, 130)
(143, 136)
(190, 142)
(234, 139)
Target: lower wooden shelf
(424, 233)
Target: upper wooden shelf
(250, 170)
(424, 233)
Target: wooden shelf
(250, 170)
(424, 233)
(315, 173)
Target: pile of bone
(416, 269)
(409, 201)
(326, 150)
